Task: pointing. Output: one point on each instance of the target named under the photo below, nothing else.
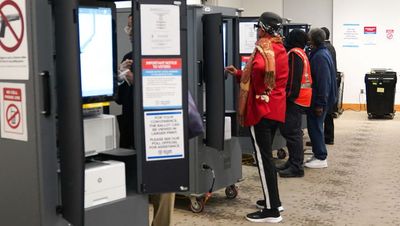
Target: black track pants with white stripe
(262, 136)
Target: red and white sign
(13, 111)
(370, 30)
(243, 61)
(389, 33)
(14, 62)
(162, 83)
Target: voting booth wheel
(281, 153)
(231, 191)
(196, 204)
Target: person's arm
(234, 71)
(332, 51)
(295, 75)
(322, 81)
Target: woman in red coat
(262, 106)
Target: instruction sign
(247, 37)
(164, 135)
(162, 83)
(14, 62)
(351, 35)
(13, 111)
(160, 29)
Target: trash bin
(380, 91)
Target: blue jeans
(315, 127)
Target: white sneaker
(316, 163)
(309, 159)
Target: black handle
(200, 75)
(45, 77)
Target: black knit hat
(270, 22)
(296, 38)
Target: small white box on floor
(228, 131)
(99, 134)
(104, 182)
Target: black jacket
(295, 76)
(332, 51)
(125, 120)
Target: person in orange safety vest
(298, 99)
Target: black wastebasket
(380, 90)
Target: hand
(125, 73)
(231, 70)
(129, 77)
(318, 111)
(127, 64)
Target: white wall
(257, 7)
(228, 3)
(251, 7)
(318, 13)
(359, 52)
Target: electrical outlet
(361, 91)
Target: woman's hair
(317, 36)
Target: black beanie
(296, 38)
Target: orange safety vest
(305, 94)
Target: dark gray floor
(361, 186)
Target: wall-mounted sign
(389, 34)
(370, 35)
(351, 35)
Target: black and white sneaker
(265, 216)
(261, 205)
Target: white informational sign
(160, 29)
(13, 111)
(370, 37)
(164, 135)
(14, 62)
(247, 37)
(351, 35)
(162, 83)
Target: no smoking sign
(13, 111)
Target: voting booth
(59, 159)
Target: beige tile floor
(361, 186)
